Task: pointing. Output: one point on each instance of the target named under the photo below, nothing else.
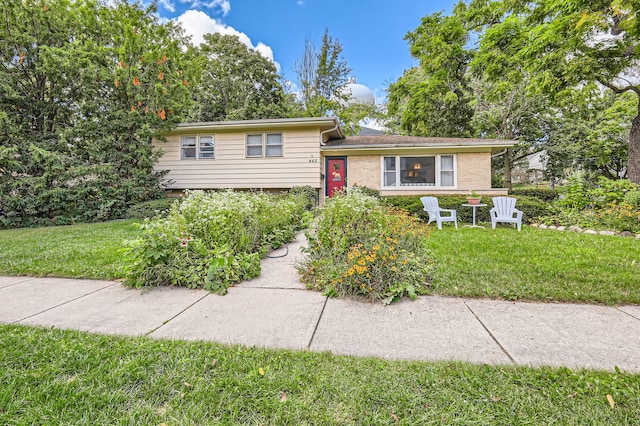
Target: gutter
(333, 129)
(411, 146)
(260, 123)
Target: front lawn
(51, 376)
(75, 251)
(534, 264)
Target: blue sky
(371, 32)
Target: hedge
(544, 194)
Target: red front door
(336, 174)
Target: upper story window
(263, 145)
(193, 147)
(435, 170)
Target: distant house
(279, 154)
(531, 169)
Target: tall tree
(590, 132)
(505, 110)
(83, 88)
(564, 44)
(236, 83)
(433, 99)
(307, 69)
(323, 75)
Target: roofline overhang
(377, 147)
(327, 122)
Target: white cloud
(167, 4)
(267, 52)
(224, 5)
(197, 23)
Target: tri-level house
(278, 154)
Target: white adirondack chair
(431, 206)
(504, 210)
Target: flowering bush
(212, 239)
(611, 205)
(360, 247)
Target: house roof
(328, 125)
(398, 141)
(368, 131)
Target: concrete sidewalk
(276, 311)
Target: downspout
(322, 143)
(499, 153)
(333, 129)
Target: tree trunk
(633, 163)
(507, 168)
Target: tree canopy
(517, 62)
(323, 75)
(562, 46)
(236, 83)
(83, 88)
(432, 99)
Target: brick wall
(474, 170)
(364, 170)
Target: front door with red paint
(336, 174)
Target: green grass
(66, 377)
(79, 251)
(536, 264)
(533, 264)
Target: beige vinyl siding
(299, 165)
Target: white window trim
(198, 156)
(437, 185)
(264, 144)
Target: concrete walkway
(276, 311)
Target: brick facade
(473, 172)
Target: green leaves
(80, 100)
(434, 99)
(212, 240)
(235, 82)
(360, 247)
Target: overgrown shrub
(368, 191)
(611, 205)
(149, 209)
(51, 188)
(544, 194)
(576, 196)
(633, 198)
(309, 193)
(212, 239)
(609, 191)
(360, 247)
